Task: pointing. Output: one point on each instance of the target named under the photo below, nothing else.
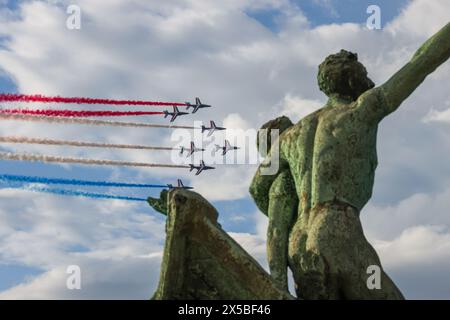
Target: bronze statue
(331, 157)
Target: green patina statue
(330, 155)
(327, 164)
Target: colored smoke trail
(75, 182)
(54, 159)
(44, 99)
(65, 120)
(83, 113)
(79, 143)
(76, 193)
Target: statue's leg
(309, 269)
(281, 211)
(336, 235)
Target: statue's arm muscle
(430, 55)
(261, 183)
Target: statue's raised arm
(430, 55)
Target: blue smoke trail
(77, 193)
(29, 179)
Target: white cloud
(388, 222)
(413, 241)
(418, 260)
(296, 108)
(235, 121)
(421, 245)
(232, 184)
(437, 116)
(254, 245)
(414, 21)
(126, 278)
(116, 244)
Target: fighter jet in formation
(200, 168)
(212, 128)
(174, 114)
(226, 148)
(190, 150)
(179, 186)
(198, 105)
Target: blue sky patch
(6, 83)
(12, 275)
(321, 12)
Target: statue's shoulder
(311, 118)
(303, 127)
(371, 96)
(371, 105)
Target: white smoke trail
(54, 159)
(10, 139)
(66, 120)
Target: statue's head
(281, 124)
(342, 75)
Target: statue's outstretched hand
(434, 52)
(159, 204)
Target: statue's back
(332, 156)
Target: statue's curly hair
(342, 74)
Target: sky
(253, 60)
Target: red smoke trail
(90, 122)
(78, 114)
(39, 98)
